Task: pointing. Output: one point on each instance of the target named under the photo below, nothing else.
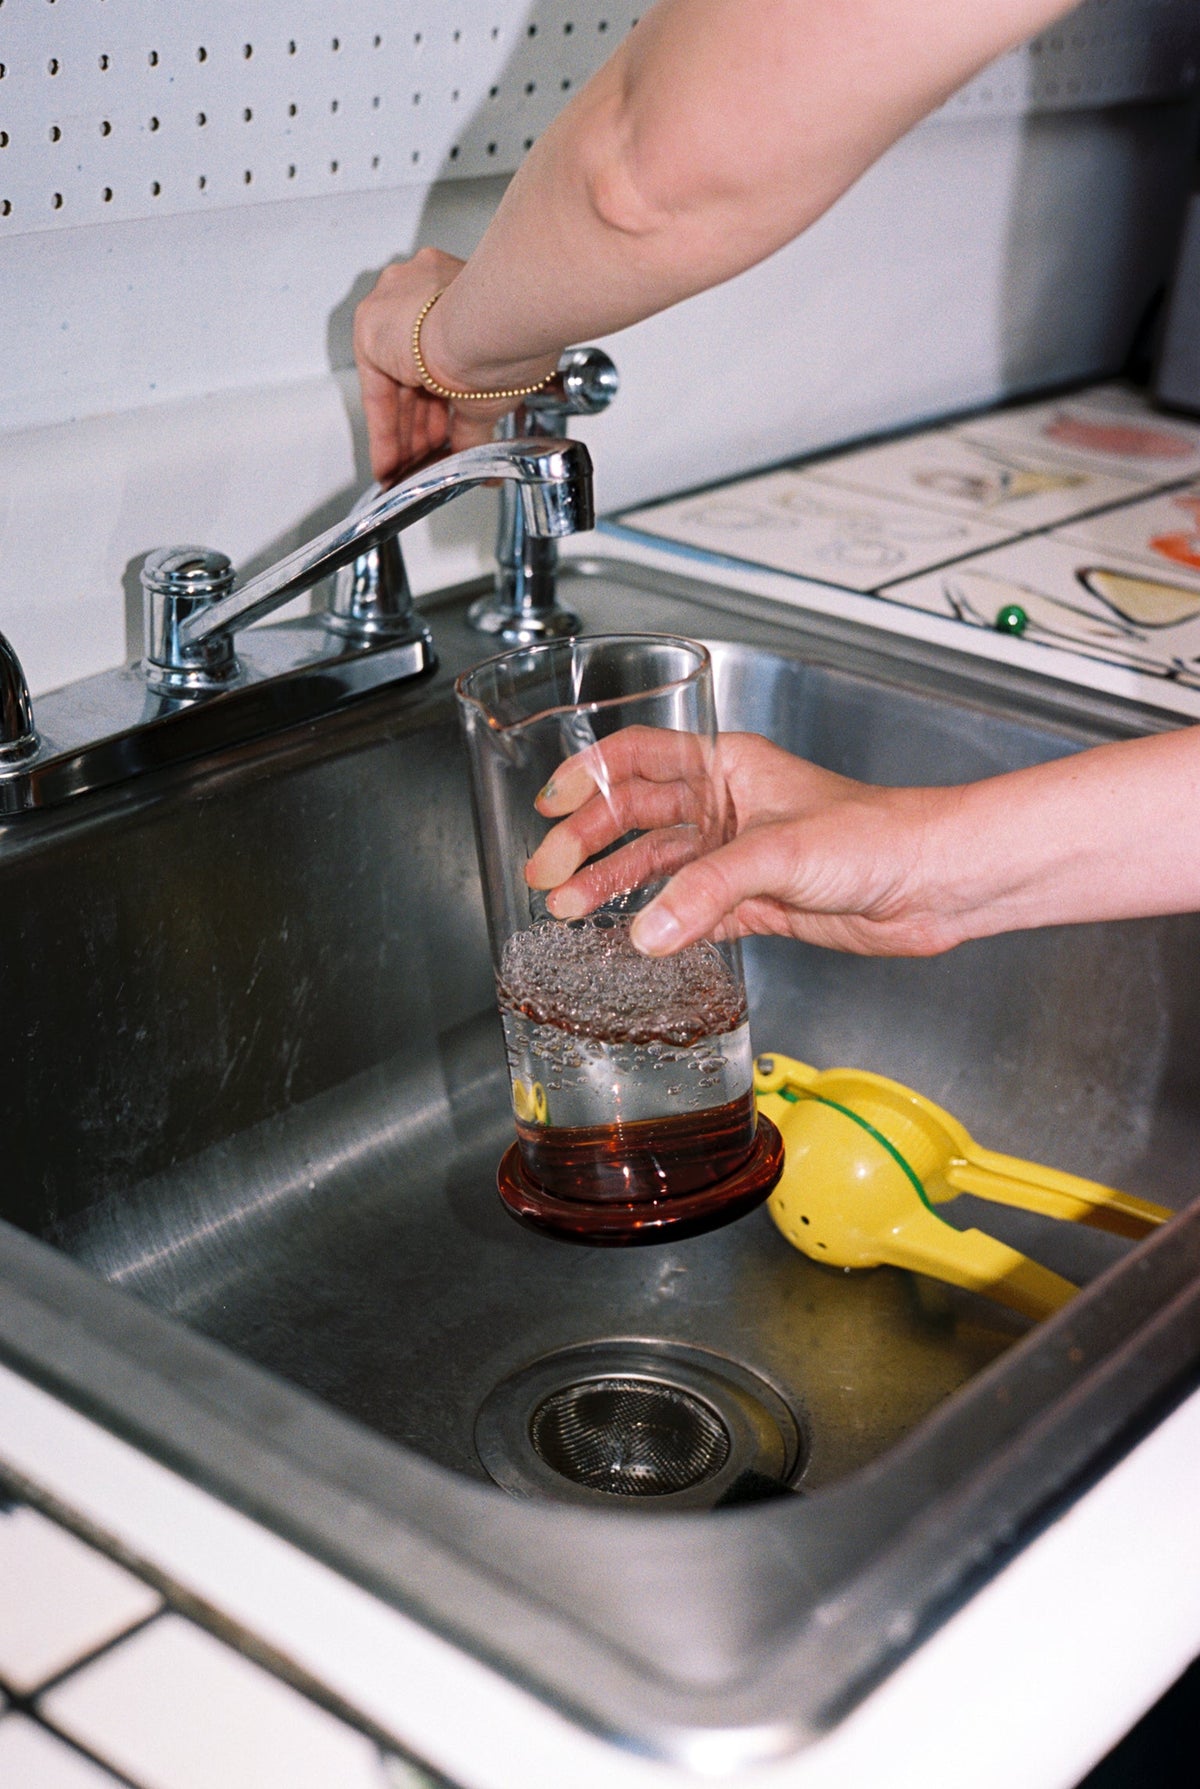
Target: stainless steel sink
(253, 1100)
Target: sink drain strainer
(660, 1424)
(630, 1437)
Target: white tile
(1104, 606)
(1014, 488)
(1125, 436)
(174, 1708)
(59, 1599)
(31, 1758)
(1162, 533)
(795, 523)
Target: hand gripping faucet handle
(523, 607)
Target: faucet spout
(553, 479)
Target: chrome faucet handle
(18, 736)
(585, 383)
(372, 601)
(192, 614)
(524, 608)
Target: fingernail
(546, 794)
(655, 932)
(563, 903)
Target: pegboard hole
(247, 50)
(291, 173)
(152, 59)
(3, 133)
(333, 167)
(106, 195)
(5, 207)
(201, 119)
(201, 54)
(202, 182)
(155, 188)
(292, 110)
(247, 114)
(105, 128)
(291, 46)
(55, 135)
(336, 43)
(153, 123)
(52, 66)
(333, 105)
(56, 201)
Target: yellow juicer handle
(1006, 1180)
(925, 1243)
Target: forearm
(1111, 833)
(718, 131)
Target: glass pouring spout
(190, 630)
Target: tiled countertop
(104, 1684)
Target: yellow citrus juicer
(867, 1160)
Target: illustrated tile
(1101, 605)
(61, 1599)
(174, 1708)
(1122, 435)
(1012, 488)
(31, 1758)
(1162, 533)
(791, 522)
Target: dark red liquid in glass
(656, 1158)
(642, 1182)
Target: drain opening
(630, 1437)
(659, 1424)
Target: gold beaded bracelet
(462, 397)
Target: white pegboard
(117, 109)
(1106, 53)
(133, 108)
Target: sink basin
(253, 1102)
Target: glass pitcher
(631, 1077)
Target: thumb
(702, 894)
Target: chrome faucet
(190, 624)
(524, 608)
(193, 692)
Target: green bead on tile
(1011, 619)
